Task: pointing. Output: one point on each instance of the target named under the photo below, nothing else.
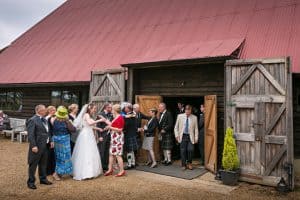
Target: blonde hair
(72, 107)
(50, 108)
(117, 108)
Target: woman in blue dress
(61, 138)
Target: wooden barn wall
(296, 106)
(194, 80)
(37, 95)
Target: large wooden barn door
(107, 86)
(210, 125)
(259, 108)
(146, 103)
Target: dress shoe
(108, 173)
(190, 167)
(168, 163)
(46, 182)
(31, 186)
(164, 162)
(121, 174)
(128, 167)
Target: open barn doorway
(172, 106)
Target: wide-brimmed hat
(62, 112)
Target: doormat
(174, 171)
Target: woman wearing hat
(149, 132)
(61, 138)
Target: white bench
(18, 127)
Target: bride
(86, 158)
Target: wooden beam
(244, 137)
(289, 118)
(247, 75)
(275, 160)
(110, 71)
(259, 98)
(106, 98)
(114, 84)
(130, 85)
(104, 77)
(272, 139)
(275, 119)
(274, 82)
(255, 61)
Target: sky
(17, 16)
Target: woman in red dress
(117, 141)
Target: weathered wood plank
(275, 160)
(271, 139)
(289, 116)
(275, 119)
(243, 79)
(258, 98)
(271, 79)
(255, 61)
(105, 98)
(245, 137)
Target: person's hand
(177, 138)
(51, 145)
(100, 139)
(163, 131)
(35, 149)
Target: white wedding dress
(86, 158)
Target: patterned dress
(62, 148)
(117, 139)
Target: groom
(103, 135)
(39, 137)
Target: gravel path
(136, 185)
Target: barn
(238, 58)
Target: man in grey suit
(38, 136)
(186, 133)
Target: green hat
(61, 112)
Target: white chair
(23, 134)
(17, 125)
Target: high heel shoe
(108, 173)
(121, 174)
(154, 165)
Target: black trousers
(201, 146)
(186, 150)
(39, 160)
(104, 150)
(51, 160)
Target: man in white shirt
(186, 133)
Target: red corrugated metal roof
(88, 35)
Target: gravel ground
(136, 185)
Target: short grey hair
(39, 107)
(136, 106)
(163, 104)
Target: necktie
(186, 128)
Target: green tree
(230, 160)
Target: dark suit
(201, 136)
(104, 145)
(166, 123)
(38, 136)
